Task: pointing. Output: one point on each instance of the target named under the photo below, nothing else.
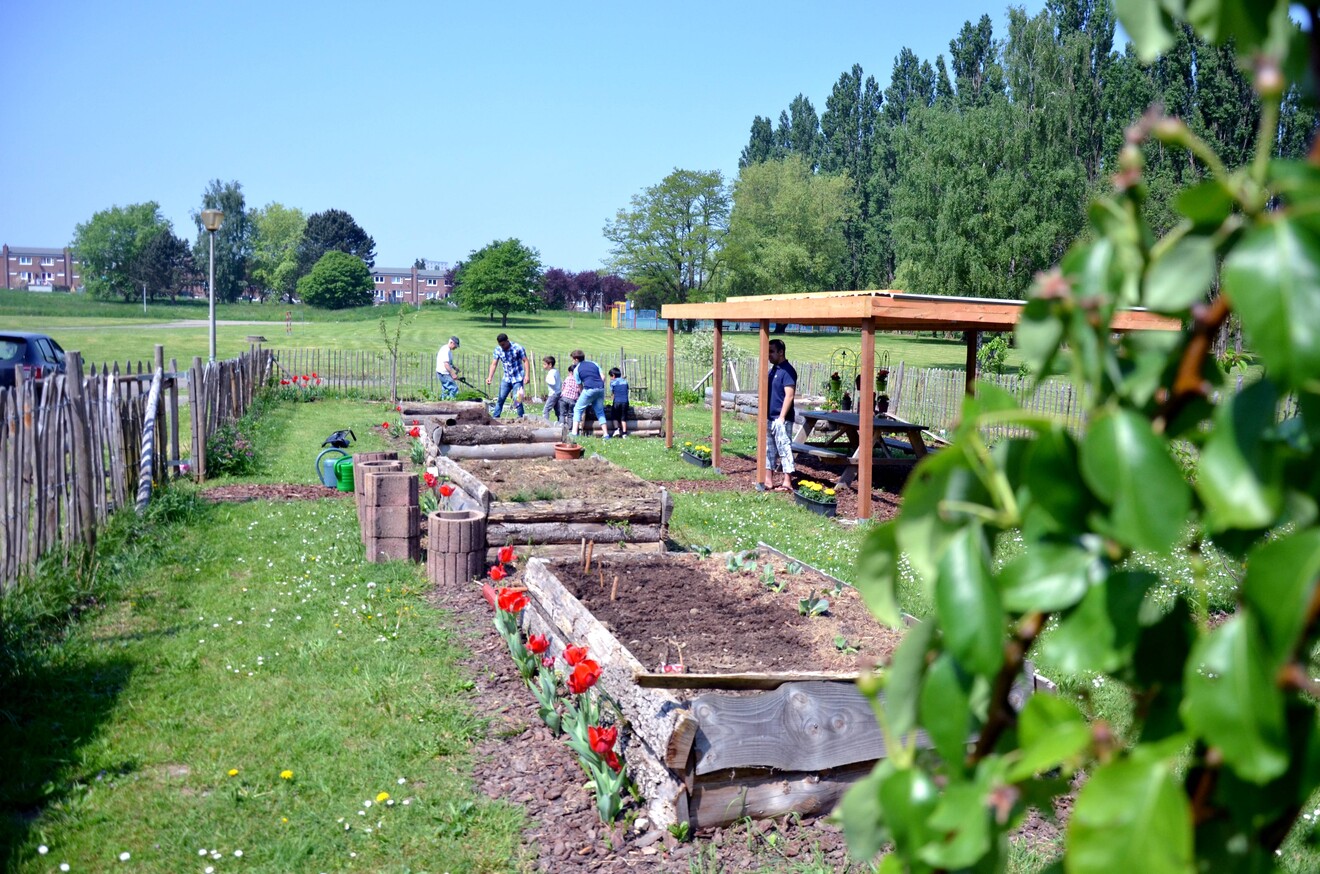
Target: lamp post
(211, 219)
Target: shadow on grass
(48, 713)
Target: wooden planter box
(788, 743)
(795, 745)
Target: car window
(47, 351)
(59, 351)
(11, 349)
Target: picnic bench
(896, 443)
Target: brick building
(409, 285)
(32, 268)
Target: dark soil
(531, 478)
(269, 492)
(740, 475)
(682, 608)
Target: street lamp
(211, 219)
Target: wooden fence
(75, 448)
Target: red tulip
(584, 676)
(430, 479)
(612, 759)
(399, 408)
(314, 376)
(284, 382)
(415, 422)
(414, 433)
(506, 555)
(547, 661)
(446, 490)
(497, 572)
(318, 382)
(512, 600)
(573, 654)
(538, 643)
(385, 425)
(602, 739)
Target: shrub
(230, 451)
(338, 281)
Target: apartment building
(409, 285)
(33, 268)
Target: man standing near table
(778, 442)
(516, 374)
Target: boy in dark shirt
(619, 410)
(778, 442)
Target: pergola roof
(892, 311)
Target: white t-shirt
(443, 357)
(552, 380)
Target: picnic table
(896, 443)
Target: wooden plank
(679, 748)
(570, 532)
(747, 680)
(638, 510)
(466, 481)
(719, 802)
(806, 726)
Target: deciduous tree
(277, 230)
(337, 281)
(233, 242)
(669, 241)
(164, 266)
(109, 245)
(334, 230)
(503, 277)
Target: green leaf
(1273, 278)
(1051, 731)
(1162, 650)
(961, 824)
(903, 679)
(1051, 473)
(946, 713)
(1246, 22)
(1281, 576)
(1232, 700)
(1130, 469)
(1048, 576)
(877, 577)
(1240, 475)
(1149, 25)
(968, 605)
(1182, 275)
(908, 796)
(924, 528)
(1038, 334)
(1101, 632)
(1130, 816)
(1207, 203)
(859, 809)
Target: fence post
(196, 396)
(147, 455)
(82, 456)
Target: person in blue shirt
(778, 443)
(619, 409)
(593, 393)
(516, 374)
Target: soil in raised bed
(727, 621)
(554, 479)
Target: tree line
(960, 177)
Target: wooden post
(717, 406)
(866, 420)
(174, 414)
(82, 456)
(762, 405)
(162, 422)
(669, 384)
(197, 411)
(970, 338)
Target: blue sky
(439, 126)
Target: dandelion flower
(233, 772)
(383, 796)
(286, 775)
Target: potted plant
(816, 497)
(568, 450)
(696, 453)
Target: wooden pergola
(869, 311)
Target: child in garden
(568, 395)
(554, 388)
(619, 410)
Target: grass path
(259, 643)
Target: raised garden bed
(793, 745)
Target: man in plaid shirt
(516, 375)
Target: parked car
(37, 354)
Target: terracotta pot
(568, 450)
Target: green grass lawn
(256, 644)
(118, 332)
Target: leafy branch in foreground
(1221, 753)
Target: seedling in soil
(842, 645)
(768, 579)
(681, 831)
(741, 562)
(813, 606)
(417, 452)
(702, 551)
(794, 567)
(546, 493)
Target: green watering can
(344, 474)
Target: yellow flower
(383, 796)
(830, 492)
(687, 442)
(286, 775)
(233, 772)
